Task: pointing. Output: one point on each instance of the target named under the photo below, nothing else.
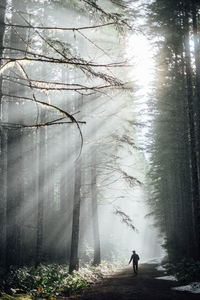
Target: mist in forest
(99, 147)
(69, 140)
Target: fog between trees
(81, 168)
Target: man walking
(134, 258)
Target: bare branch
(68, 61)
(61, 28)
(16, 125)
(64, 113)
(42, 85)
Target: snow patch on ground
(169, 277)
(160, 268)
(156, 260)
(193, 287)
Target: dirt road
(125, 286)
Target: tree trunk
(192, 139)
(2, 148)
(2, 30)
(74, 260)
(64, 201)
(14, 198)
(197, 79)
(95, 221)
(41, 195)
(15, 171)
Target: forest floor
(124, 285)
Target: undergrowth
(185, 271)
(48, 281)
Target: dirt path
(125, 286)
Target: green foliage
(174, 244)
(51, 280)
(4, 296)
(185, 271)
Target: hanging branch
(130, 179)
(125, 139)
(125, 219)
(63, 112)
(85, 66)
(30, 85)
(110, 16)
(119, 4)
(114, 17)
(64, 57)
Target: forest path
(123, 285)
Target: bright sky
(141, 56)
(141, 53)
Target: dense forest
(89, 170)
(174, 140)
